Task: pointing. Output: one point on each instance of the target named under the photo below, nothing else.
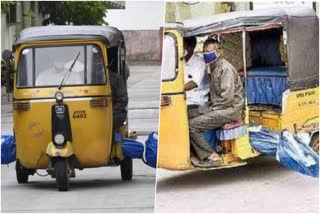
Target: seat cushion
(230, 134)
(232, 125)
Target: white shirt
(195, 70)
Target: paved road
(261, 186)
(98, 189)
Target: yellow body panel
(301, 108)
(174, 146)
(243, 149)
(65, 152)
(91, 135)
(300, 111)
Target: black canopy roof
(300, 23)
(111, 35)
(239, 19)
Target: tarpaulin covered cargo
(300, 24)
(289, 149)
(8, 149)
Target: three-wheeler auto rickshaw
(275, 52)
(63, 102)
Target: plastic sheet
(293, 153)
(151, 150)
(263, 140)
(265, 85)
(8, 149)
(132, 148)
(290, 150)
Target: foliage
(228, 7)
(5, 5)
(6, 75)
(73, 12)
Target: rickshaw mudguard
(242, 148)
(65, 152)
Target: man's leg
(198, 125)
(193, 111)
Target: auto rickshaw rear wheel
(22, 173)
(126, 169)
(314, 143)
(61, 174)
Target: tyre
(314, 143)
(22, 173)
(126, 169)
(61, 174)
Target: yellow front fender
(65, 152)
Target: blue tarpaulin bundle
(132, 148)
(8, 149)
(293, 153)
(147, 152)
(151, 150)
(264, 140)
(289, 149)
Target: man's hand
(190, 85)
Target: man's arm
(227, 87)
(198, 72)
(190, 85)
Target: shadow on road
(82, 185)
(261, 168)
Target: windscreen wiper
(70, 70)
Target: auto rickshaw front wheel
(61, 174)
(126, 169)
(22, 173)
(314, 143)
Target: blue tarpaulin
(151, 150)
(290, 150)
(147, 151)
(8, 149)
(264, 140)
(293, 153)
(132, 148)
(265, 85)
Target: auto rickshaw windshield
(47, 66)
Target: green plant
(73, 12)
(5, 6)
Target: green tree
(5, 5)
(74, 12)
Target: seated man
(227, 102)
(195, 78)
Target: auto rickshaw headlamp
(59, 139)
(59, 96)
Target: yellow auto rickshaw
(63, 101)
(281, 95)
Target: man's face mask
(209, 57)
